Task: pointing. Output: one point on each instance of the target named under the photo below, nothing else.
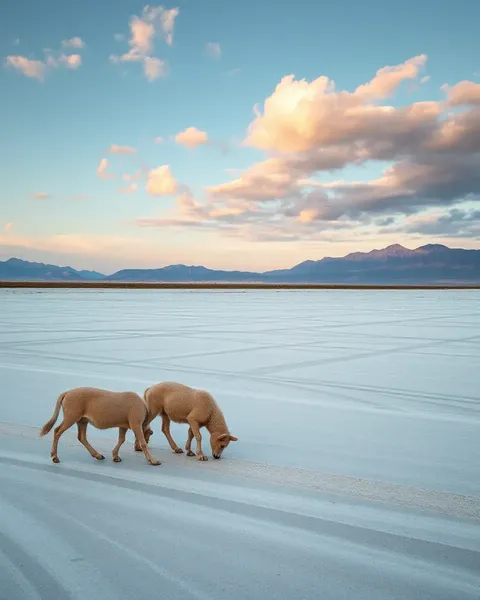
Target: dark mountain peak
(433, 248)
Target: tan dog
(103, 409)
(182, 404)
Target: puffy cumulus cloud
(30, 68)
(160, 182)
(102, 170)
(464, 93)
(143, 30)
(192, 137)
(311, 129)
(41, 195)
(213, 50)
(75, 42)
(300, 116)
(115, 149)
(7, 228)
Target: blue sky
(59, 119)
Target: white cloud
(191, 137)
(7, 228)
(75, 42)
(213, 50)
(161, 182)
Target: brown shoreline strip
(159, 285)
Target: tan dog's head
(219, 441)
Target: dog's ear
(223, 436)
(233, 438)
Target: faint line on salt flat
(296, 384)
(340, 359)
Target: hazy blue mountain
(16, 269)
(430, 264)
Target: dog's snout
(217, 456)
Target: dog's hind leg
(188, 445)
(82, 438)
(122, 432)
(64, 425)
(138, 431)
(168, 435)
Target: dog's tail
(145, 397)
(49, 424)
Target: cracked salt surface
(356, 474)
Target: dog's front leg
(196, 432)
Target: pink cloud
(158, 140)
(154, 68)
(143, 30)
(71, 61)
(300, 116)
(41, 195)
(7, 228)
(191, 137)
(30, 68)
(115, 149)
(309, 129)
(464, 93)
(160, 182)
(102, 170)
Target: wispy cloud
(75, 42)
(130, 189)
(41, 195)
(115, 149)
(158, 140)
(213, 50)
(7, 228)
(102, 170)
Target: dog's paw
(178, 451)
(117, 459)
(190, 453)
(202, 458)
(155, 462)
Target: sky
(249, 135)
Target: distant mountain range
(431, 264)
